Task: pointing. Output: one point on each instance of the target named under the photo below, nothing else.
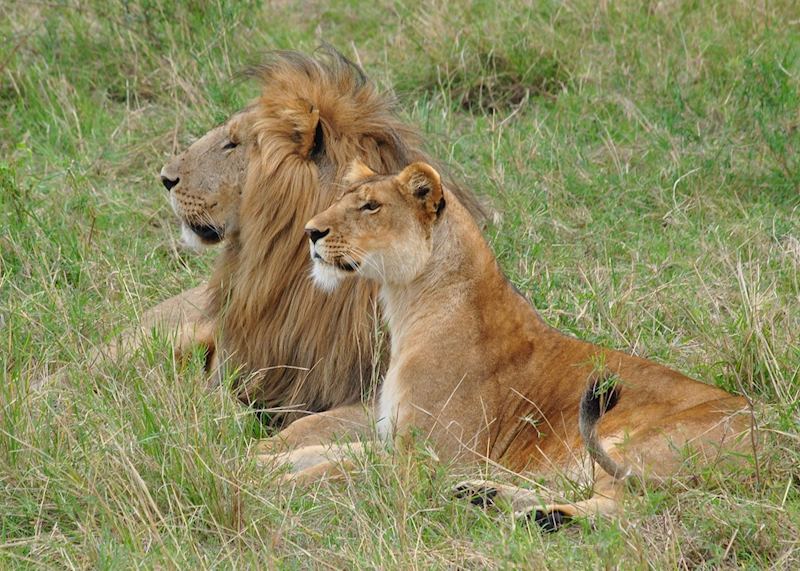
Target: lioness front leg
(349, 422)
(316, 462)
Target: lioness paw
(548, 521)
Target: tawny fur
(294, 347)
(476, 369)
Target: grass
(644, 157)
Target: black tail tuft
(601, 395)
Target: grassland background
(644, 156)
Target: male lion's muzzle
(208, 234)
(169, 183)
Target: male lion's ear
(423, 182)
(303, 118)
(357, 171)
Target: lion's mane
(297, 348)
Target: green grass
(644, 157)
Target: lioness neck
(450, 292)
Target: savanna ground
(644, 156)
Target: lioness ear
(357, 171)
(421, 181)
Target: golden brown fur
(477, 370)
(252, 183)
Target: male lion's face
(205, 182)
(379, 229)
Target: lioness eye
(230, 145)
(371, 206)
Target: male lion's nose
(314, 234)
(169, 182)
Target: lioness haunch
(475, 368)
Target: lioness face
(205, 182)
(379, 229)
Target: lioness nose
(314, 234)
(169, 182)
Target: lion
(475, 368)
(249, 185)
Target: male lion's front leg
(182, 317)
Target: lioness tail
(600, 396)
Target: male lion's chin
(199, 238)
(326, 277)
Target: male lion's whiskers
(207, 220)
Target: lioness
(477, 370)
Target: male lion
(477, 370)
(251, 184)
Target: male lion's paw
(477, 492)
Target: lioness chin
(475, 368)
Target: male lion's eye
(230, 145)
(371, 206)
